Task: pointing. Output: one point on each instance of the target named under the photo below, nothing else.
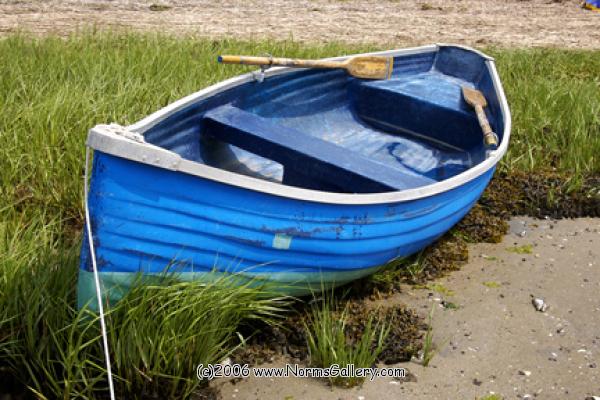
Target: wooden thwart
(366, 67)
(477, 100)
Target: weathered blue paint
(318, 129)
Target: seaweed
(289, 338)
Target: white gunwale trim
(460, 46)
(104, 139)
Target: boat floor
(339, 123)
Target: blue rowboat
(301, 178)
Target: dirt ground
(496, 341)
(522, 23)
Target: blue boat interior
(325, 130)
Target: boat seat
(308, 161)
(429, 104)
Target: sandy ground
(495, 341)
(523, 23)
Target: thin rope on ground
(97, 279)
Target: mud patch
(481, 226)
(543, 194)
(289, 338)
(264, 342)
(447, 254)
(11, 388)
(206, 393)
(404, 340)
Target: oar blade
(370, 67)
(474, 97)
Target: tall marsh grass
(158, 334)
(329, 342)
(554, 96)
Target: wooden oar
(477, 100)
(367, 67)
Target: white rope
(97, 278)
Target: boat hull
(147, 221)
(298, 180)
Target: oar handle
(287, 62)
(489, 137)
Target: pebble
(539, 304)
(226, 362)
(518, 228)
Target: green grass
(429, 348)
(492, 284)
(396, 271)
(554, 97)
(328, 342)
(53, 90)
(158, 333)
(491, 397)
(436, 287)
(159, 7)
(524, 249)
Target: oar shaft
(488, 134)
(287, 62)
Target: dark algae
(289, 338)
